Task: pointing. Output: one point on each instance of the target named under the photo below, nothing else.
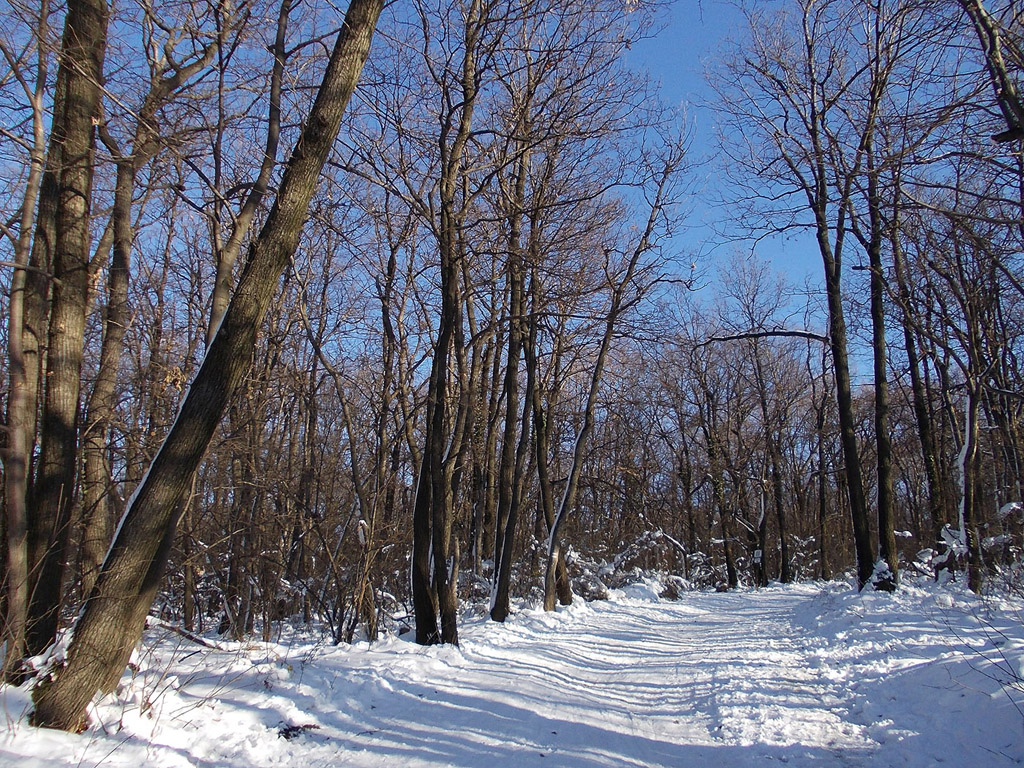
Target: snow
(802, 675)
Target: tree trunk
(670, 163)
(20, 397)
(97, 488)
(541, 450)
(969, 499)
(115, 612)
(872, 243)
(883, 440)
(715, 468)
(824, 569)
(847, 426)
(923, 418)
(52, 495)
(778, 492)
(513, 452)
(435, 566)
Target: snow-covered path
(675, 684)
(804, 675)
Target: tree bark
(52, 495)
(97, 488)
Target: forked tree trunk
(563, 587)
(435, 557)
(115, 611)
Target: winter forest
(365, 319)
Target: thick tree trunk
(97, 488)
(52, 495)
(115, 612)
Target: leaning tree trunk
(115, 612)
(617, 306)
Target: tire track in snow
(713, 680)
(766, 693)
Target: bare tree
(994, 40)
(624, 292)
(813, 94)
(114, 614)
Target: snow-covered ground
(803, 675)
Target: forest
(351, 316)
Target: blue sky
(677, 58)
